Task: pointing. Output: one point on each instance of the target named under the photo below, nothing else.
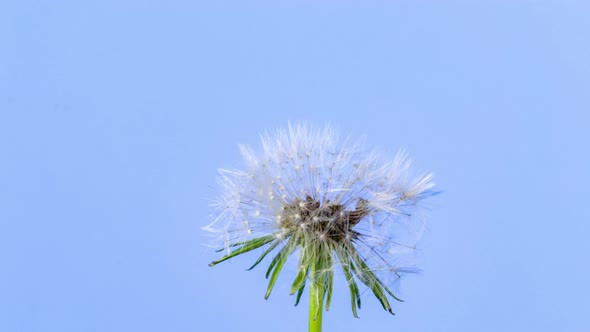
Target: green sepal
(303, 270)
(266, 252)
(299, 293)
(235, 244)
(275, 260)
(279, 261)
(246, 247)
(328, 286)
(363, 265)
(370, 280)
(355, 299)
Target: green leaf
(266, 252)
(246, 247)
(329, 285)
(355, 299)
(301, 277)
(303, 270)
(235, 244)
(281, 259)
(367, 277)
(299, 293)
(363, 265)
(274, 262)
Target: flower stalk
(316, 300)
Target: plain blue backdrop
(115, 115)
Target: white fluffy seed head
(303, 176)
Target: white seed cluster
(305, 181)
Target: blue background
(115, 115)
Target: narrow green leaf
(283, 256)
(329, 284)
(355, 299)
(299, 279)
(363, 265)
(266, 252)
(273, 263)
(316, 293)
(276, 259)
(247, 246)
(299, 293)
(302, 272)
(368, 278)
(235, 244)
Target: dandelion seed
(341, 207)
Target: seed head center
(327, 221)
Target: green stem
(316, 300)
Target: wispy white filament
(299, 165)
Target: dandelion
(337, 205)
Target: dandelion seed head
(309, 186)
